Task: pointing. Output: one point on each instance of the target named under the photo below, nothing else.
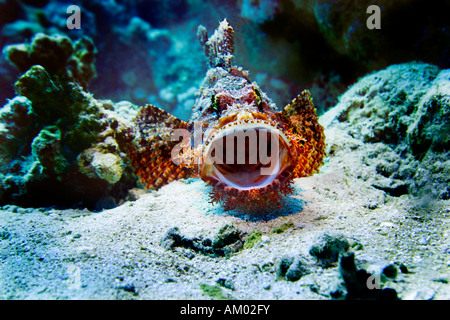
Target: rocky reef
(59, 145)
(58, 54)
(397, 119)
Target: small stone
(227, 235)
(129, 287)
(22, 210)
(13, 209)
(371, 205)
(283, 265)
(225, 242)
(357, 246)
(292, 268)
(386, 228)
(171, 239)
(254, 237)
(88, 252)
(189, 254)
(226, 283)
(327, 248)
(423, 241)
(390, 271)
(214, 292)
(403, 268)
(282, 228)
(297, 269)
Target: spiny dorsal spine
(219, 48)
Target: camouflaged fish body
(230, 106)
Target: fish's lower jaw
(253, 199)
(239, 180)
(246, 157)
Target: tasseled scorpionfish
(242, 146)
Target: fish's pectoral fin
(157, 134)
(300, 119)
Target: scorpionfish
(247, 150)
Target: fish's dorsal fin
(219, 48)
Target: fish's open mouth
(246, 155)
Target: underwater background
(147, 51)
(68, 98)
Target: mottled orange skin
(150, 153)
(228, 99)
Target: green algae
(253, 238)
(282, 228)
(214, 292)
